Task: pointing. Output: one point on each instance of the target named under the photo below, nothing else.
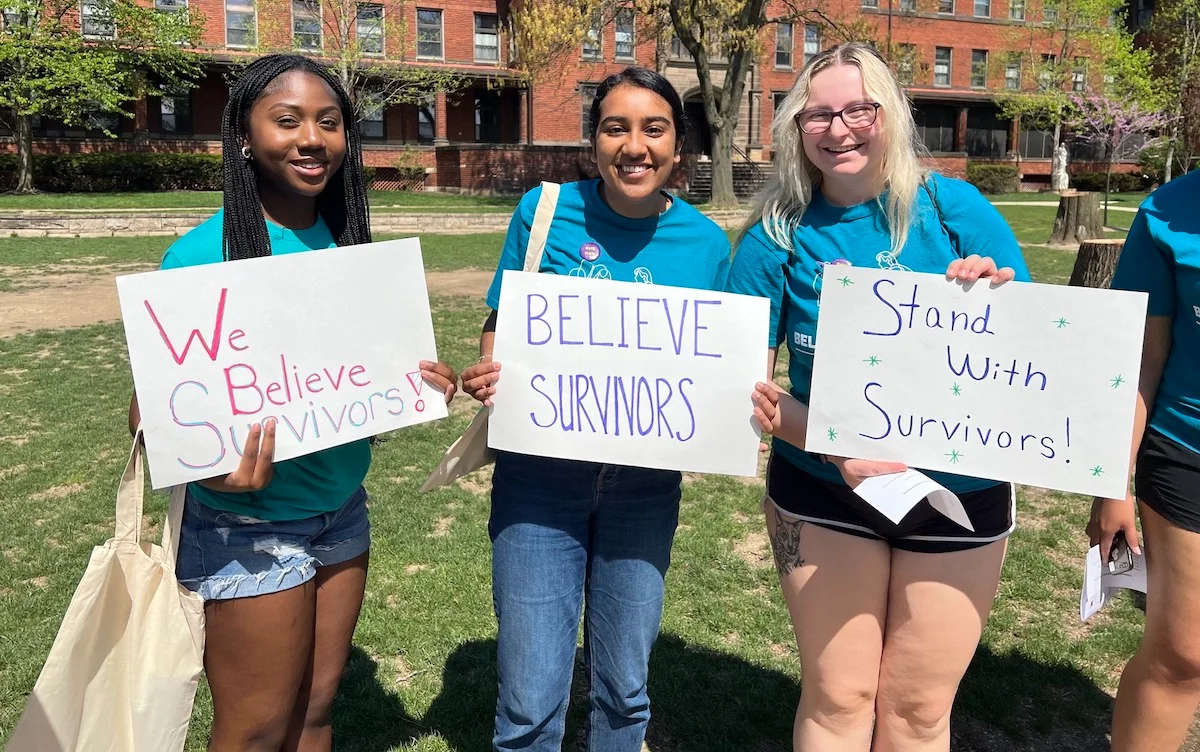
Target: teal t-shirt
(305, 486)
(858, 236)
(680, 247)
(1162, 258)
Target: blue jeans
(564, 532)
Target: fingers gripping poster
(326, 342)
(1028, 383)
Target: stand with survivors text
(1032, 384)
(627, 374)
(326, 342)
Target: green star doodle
(1117, 381)
(846, 281)
(1062, 322)
(1097, 471)
(872, 361)
(954, 456)
(956, 390)
(832, 434)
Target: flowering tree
(1115, 123)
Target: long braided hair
(343, 203)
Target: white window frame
(495, 34)
(358, 29)
(987, 6)
(86, 16)
(1009, 78)
(170, 6)
(593, 40)
(816, 41)
(617, 33)
(241, 7)
(320, 25)
(946, 12)
(790, 49)
(441, 33)
(870, 4)
(1016, 10)
(949, 67)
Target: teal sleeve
(976, 227)
(758, 269)
(1146, 267)
(512, 257)
(170, 260)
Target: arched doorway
(699, 136)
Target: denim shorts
(224, 555)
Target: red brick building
(501, 134)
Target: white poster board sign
(325, 342)
(628, 374)
(1027, 383)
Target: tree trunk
(723, 196)
(24, 138)
(1096, 262)
(1170, 164)
(1078, 219)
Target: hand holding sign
(479, 380)
(257, 466)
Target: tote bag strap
(541, 226)
(172, 525)
(129, 494)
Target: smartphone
(1120, 557)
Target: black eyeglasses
(855, 116)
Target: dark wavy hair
(646, 79)
(343, 203)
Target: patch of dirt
(404, 673)
(442, 528)
(58, 492)
(755, 550)
(478, 482)
(414, 568)
(76, 296)
(733, 638)
(5, 593)
(780, 651)
(739, 518)
(10, 472)
(20, 440)
(13, 554)
(41, 583)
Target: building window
(678, 51)
(306, 24)
(783, 45)
(1016, 10)
(625, 34)
(587, 93)
(935, 126)
(103, 122)
(1046, 74)
(983, 8)
(426, 122)
(176, 114)
(946, 7)
(979, 59)
(487, 37)
(487, 117)
(1050, 14)
(1079, 76)
(812, 41)
(370, 125)
(10, 18)
(908, 6)
(1012, 77)
(240, 23)
(429, 33)
(96, 20)
(987, 133)
(170, 6)
(870, 3)
(904, 64)
(368, 27)
(941, 66)
(593, 48)
(777, 98)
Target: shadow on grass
(1012, 702)
(708, 700)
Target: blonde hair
(783, 200)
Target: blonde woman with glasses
(887, 616)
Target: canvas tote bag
(470, 451)
(122, 672)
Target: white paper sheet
(1100, 584)
(897, 493)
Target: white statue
(1058, 169)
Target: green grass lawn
(1122, 199)
(380, 201)
(724, 675)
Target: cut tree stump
(1078, 218)
(1096, 262)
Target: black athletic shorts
(799, 495)
(1167, 480)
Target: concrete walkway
(1111, 207)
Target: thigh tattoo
(786, 545)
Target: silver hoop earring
(246, 155)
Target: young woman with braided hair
(279, 551)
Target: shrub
(115, 172)
(1153, 161)
(993, 178)
(1122, 182)
(369, 174)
